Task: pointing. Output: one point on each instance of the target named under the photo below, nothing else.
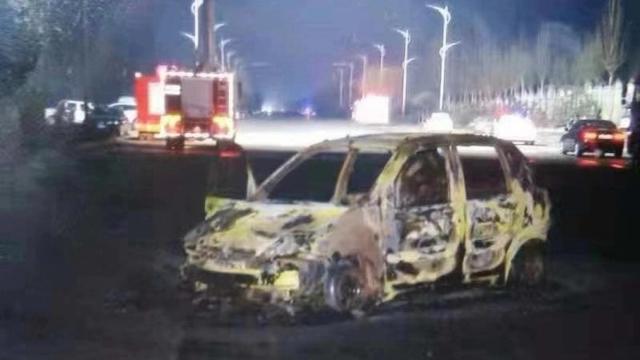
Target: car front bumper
(250, 284)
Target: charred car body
(395, 211)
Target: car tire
(180, 143)
(344, 288)
(618, 154)
(528, 266)
(175, 143)
(565, 147)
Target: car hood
(240, 230)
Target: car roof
(594, 121)
(391, 141)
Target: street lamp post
(215, 62)
(195, 10)
(223, 44)
(446, 19)
(350, 66)
(383, 52)
(229, 55)
(340, 69)
(365, 64)
(195, 36)
(405, 63)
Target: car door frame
(506, 201)
(450, 256)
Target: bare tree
(612, 32)
(589, 66)
(543, 56)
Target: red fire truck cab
(178, 105)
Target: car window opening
(483, 172)
(424, 179)
(312, 180)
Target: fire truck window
(312, 180)
(173, 98)
(483, 174)
(424, 179)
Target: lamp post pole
(446, 19)
(223, 60)
(383, 52)
(365, 64)
(407, 40)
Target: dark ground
(97, 276)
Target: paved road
(97, 279)
(294, 134)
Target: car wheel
(565, 147)
(344, 288)
(180, 143)
(618, 153)
(527, 268)
(174, 143)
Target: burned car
(354, 222)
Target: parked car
(67, 112)
(354, 222)
(599, 136)
(438, 123)
(130, 111)
(103, 120)
(482, 125)
(516, 128)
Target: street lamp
(350, 66)
(446, 19)
(383, 52)
(407, 40)
(223, 44)
(195, 10)
(237, 63)
(365, 63)
(229, 55)
(340, 68)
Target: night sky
(302, 38)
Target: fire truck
(177, 105)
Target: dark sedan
(104, 121)
(595, 136)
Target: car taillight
(589, 135)
(229, 153)
(619, 136)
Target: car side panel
(429, 238)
